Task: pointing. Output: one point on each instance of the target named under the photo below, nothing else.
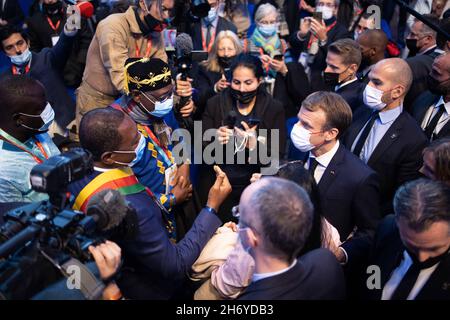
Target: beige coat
(115, 40)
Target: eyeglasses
(161, 99)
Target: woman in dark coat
(248, 126)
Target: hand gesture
(220, 190)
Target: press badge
(55, 40)
(169, 176)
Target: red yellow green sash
(122, 180)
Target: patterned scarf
(269, 45)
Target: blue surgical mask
(139, 151)
(162, 108)
(47, 116)
(212, 15)
(21, 59)
(268, 30)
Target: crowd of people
(315, 139)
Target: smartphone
(228, 75)
(199, 55)
(317, 16)
(253, 122)
(278, 57)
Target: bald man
(275, 221)
(385, 136)
(373, 45)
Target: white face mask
(300, 138)
(21, 59)
(139, 152)
(372, 98)
(47, 116)
(327, 13)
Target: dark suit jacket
(46, 66)
(12, 13)
(419, 110)
(349, 195)
(196, 31)
(386, 253)
(397, 157)
(317, 67)
(316, 276)
(204, 82)
(421, 67)
(353, 94)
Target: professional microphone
(85, 8)
(111, 211)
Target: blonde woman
(212, 75)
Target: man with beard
(373, 46)
(432, 108)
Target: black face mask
(151, 24)
(438, 88)
(225, 62)
(52, 9)
(411, 44)
(429, 262)
(331, 78)
(243, 97)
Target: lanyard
(54, 28)
(15, 70)
(161, 150)
(312, 38)
(211, 40)
(147, 52)
(11, 140)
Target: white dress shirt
(432, 111)
(399, 273)
(260, 276)
(344, 84)
(323, 162)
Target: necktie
(312, 165)
(405, 286)
(433, 122)
(208, 35)
(365, 133)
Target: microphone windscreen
(86, 9)
(109, 206)
(183, 44)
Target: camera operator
(24, 141)
(155, 267)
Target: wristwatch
(211, 210)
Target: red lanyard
(54, 28)
(211, 41)
(147, 52)
(35, 157)
(15, 70)
(312, 38)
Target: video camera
(52, 228)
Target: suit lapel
(445, 131)
(389, 137)
(439, 282)
(332, 170)
(359, 123)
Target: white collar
(344, 84)
(102, 169)
(325, 159)
(260, 276)
(428, 50)
(446, 104)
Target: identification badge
(169, 176)
(55, 40)
(303, 59)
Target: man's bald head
(375, 38)
(396, 71)
(281, 213)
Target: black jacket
(419, 110)
(292, 89)
(319, 65)
(12, 12)
(316, 276)
(196, 31)
(353, 94)
(386, 253)
(397, 157)
(204, 83)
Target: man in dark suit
(348, 189)
(422, 43)
(373, 45)
(155, 266)
(412, 248)
(45, 66)
(385, 136)
(275, 220)
(309, 44)
(343, 60)
(204, 32)
(432, 108)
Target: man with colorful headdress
(149, 101)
